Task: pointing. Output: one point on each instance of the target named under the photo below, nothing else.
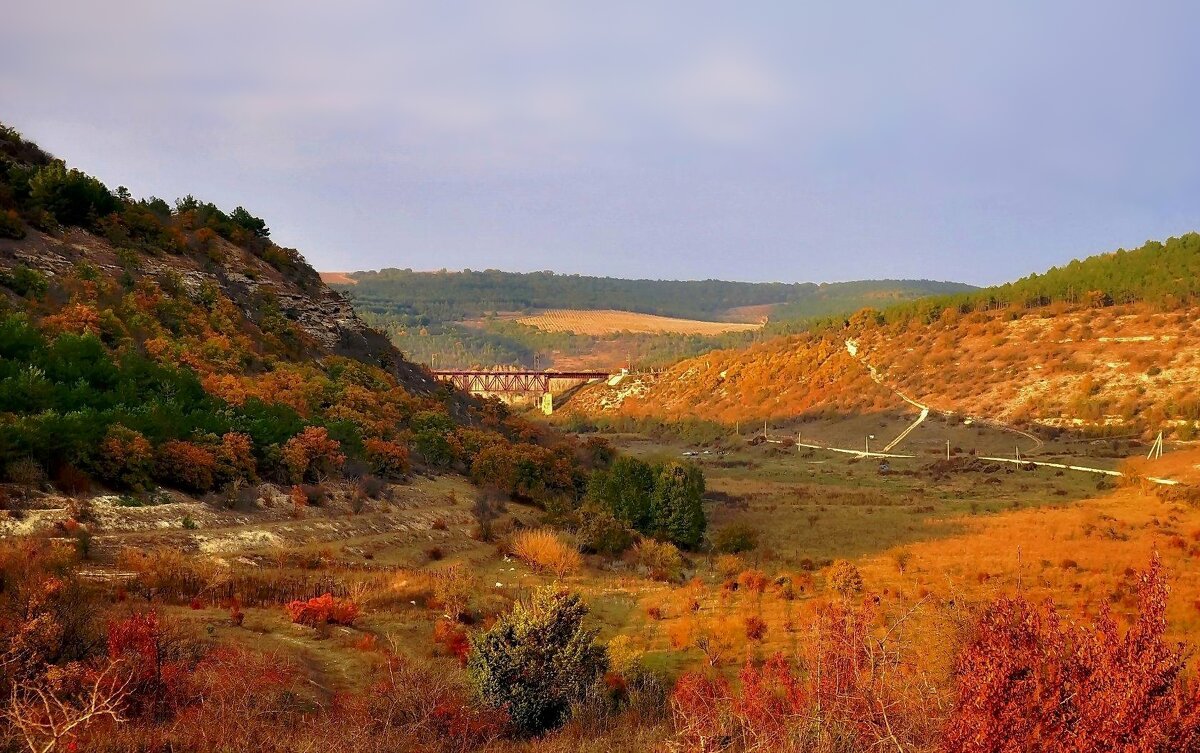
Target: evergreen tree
(537, 659)
(625, 489)
(677, 505)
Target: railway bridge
(508, 385)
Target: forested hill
(144, 344)
(1162, 274)
(448, 296)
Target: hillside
(146, 345)
(1052, 349)
(472, 318)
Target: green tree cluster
(663, 501)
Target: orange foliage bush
(849, 686)
(547, 550)
(75, 318)
(387, 458)
(125, 458)
(453, 640)
(312, 454)
(753, 581)
(323, 610)
(235, 458)
(186, 465)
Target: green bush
(537, 660)
(25, 281)
(625, 489)
(599, 532)
(73, 197)
(735, 538)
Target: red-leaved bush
(453, 639)
(417, 706)
(851, 690)
(1031, 681)
(323, 610)
(158, 661)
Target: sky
(791, 141)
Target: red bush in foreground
(323, 610)
(849, 690)
(1029, 681)
(158, 662)
(453, 639)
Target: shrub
(26, 282)
(235, 459)
(452, 588)
(544, 549)
(537, 660)
(186, 465)
(417, 706)
(371, 486)
(728, 565)
(756, 628)
(323, 610)
(600, 532)
(735, 538)
(753, 581)
(388, 459)
(1029, 680)
(453, 639)
(844, 578)
(71, 480)
(11, 225)
(661, 559)
(312, 455)
(26, 472)
(125, 458)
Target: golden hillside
(1127, 367)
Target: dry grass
(606, 322)
(337, 278)
(1078, 556)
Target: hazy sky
(756, 141)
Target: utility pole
(1156, 449)
(947, 449)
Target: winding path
(852, 349)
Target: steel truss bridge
(516, 382)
